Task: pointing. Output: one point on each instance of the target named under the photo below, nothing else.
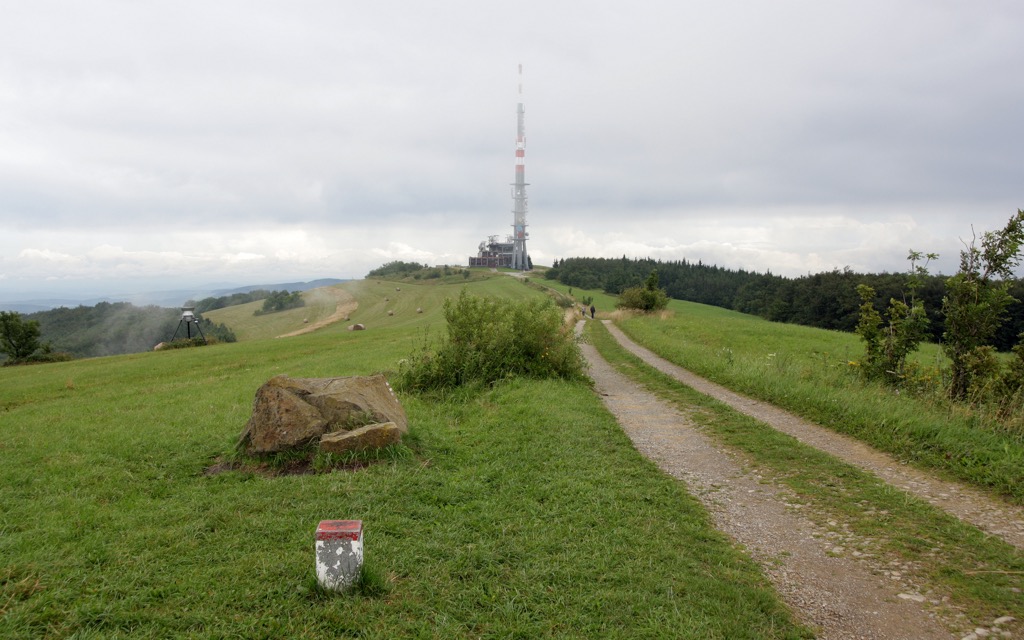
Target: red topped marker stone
(340, 530)
(339, 553)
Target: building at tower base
(493, 253)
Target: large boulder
(290, 413)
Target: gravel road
(992, 516)
(819, 572)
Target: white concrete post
(339, 553)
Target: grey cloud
(721, 130)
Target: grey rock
(290, 413)
(372, 436)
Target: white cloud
(259, 140)
(44, 256)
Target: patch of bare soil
(345, 305)
(820, 572)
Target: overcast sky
(148, 145)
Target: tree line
(972, 314)
(280, 301)
(826, 300)
(273, 301)
(106, 329)
(114, 328)
(396, 268)
(212, 303)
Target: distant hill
(169, 298)
(107, 328)
(289, 286)
(114, 328)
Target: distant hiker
(583, 311)
(591, 312)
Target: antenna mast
(520, 259)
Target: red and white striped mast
(520, 259)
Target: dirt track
(345, 306)
(820, 573)
(994, 517)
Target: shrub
(996, 386)
(47, 355)
(887, 347)
(492, 339)
(185, 343)
(649, 297)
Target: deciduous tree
(977, 298)
(19, 338)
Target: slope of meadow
(520, 511)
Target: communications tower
(520, 259)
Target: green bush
(47, 355)
(649, 297)
(185, 343)
(492, 339)
(886, 348)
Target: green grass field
(520, 511)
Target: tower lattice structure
(520, 259)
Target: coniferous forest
(826, 300)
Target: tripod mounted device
(188, 318)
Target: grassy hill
(374, 297)
(519, 511)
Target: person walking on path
(591, 312)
